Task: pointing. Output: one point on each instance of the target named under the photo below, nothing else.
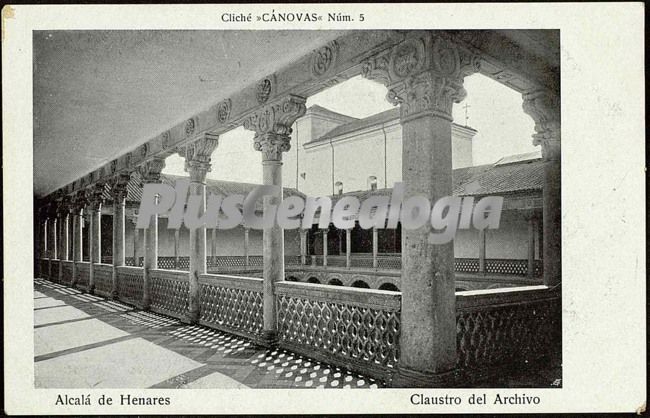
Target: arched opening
(292, 279)
(389, 286)
(461, 289)
(361, 284)
(335, 282)
(313, 280)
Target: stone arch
(313, 280)
(361, 284)
(335, 282)
(292, 279)
(389, 286)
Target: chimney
(339, 187)
(372, 183)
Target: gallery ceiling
(98, 94)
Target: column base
(190, 318)
(406, 378)
(268, 339)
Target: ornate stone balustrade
(353, 328)
(66, 276)
(169, 292)
(232, 303)
(83, 274)
(103, 279)
(507, 326)
(129, 285)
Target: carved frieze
(119, 185)
(190, 127)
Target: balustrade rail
(506, 326)
(66, 274)
(354, 328)
(130, 284)
(83, 275)
(232, 303)
(169, 292)
(103, 274)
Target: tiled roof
(356, 125)
(489, 179)
(217, 187)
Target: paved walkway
(85, 341)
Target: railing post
(177, 233)
(197, 163)
(150, 173)
(272, 127)
(425, 76)
(544, 108)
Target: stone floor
(85, 341)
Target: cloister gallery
(382, 302)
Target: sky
(493, 110)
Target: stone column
(531, 247)
(213, 247)
(197, 164)
(177, 233)
(424, 74)
(77, 238)
(150, 173)
(95, 200)
(544, 108)
(246, 243)
(481, 250)
(348, 248)
(303, 246)
(325, 247)
(272, 127)
(119, 193)
(375, 248)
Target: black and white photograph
(307, 207)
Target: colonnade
(424, 75)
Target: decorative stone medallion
(165, 139)
(406, 58)
(113, 166)
(189, 127)
(445, 57)
(223, 111)
(144, 148)
(323, 58)
(263, 91)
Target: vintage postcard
(221, 209)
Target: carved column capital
(150, 170)
(424, 74)
(119, 185)
(272, 145)
(543, 106)
(198, 156)
(95, 196)
(272, 126)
